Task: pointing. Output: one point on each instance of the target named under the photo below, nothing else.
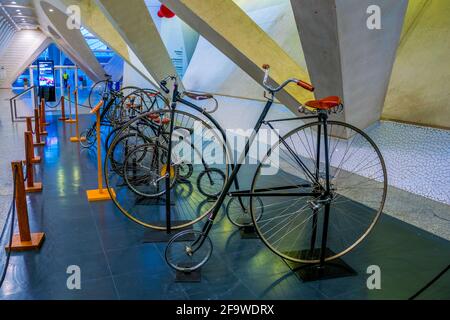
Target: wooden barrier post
(63, 109)
(24, 240)
(77, 137)
(43, 120)
(34, 158)
(29, 124)
(31, 186)
(70, 119)
(37, 129)
(100, 193)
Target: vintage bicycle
(323, 199)
(137, 160)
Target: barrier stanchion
(31, 186)
(70, 120)
(100, 193)
(24, 240)
(29, 122)
(37, 129)
(42, 114)
(63, 109)
(77, 137)
(35, 159)
(42, 123)
(29, 143)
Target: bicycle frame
(322, 191)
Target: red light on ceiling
(165, 12)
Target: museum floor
(116, 264)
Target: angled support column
(72, 37)
(98, 24)
(140, 34)
(237, 36)
(345, 57)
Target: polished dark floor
(116, 264)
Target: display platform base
(153, 235)
(99, 195)
(194, 276)
(38, 144)
(43, 133)
(71, 120)
(36, 159)
(36, 187)
(248, 232)
(313, 272)
(160, 201)
(76, 139)
(35, 244)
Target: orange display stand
(34, 158)
(63, 109)
(70, 119)
(42, 114)
(42, 122)
(100, 193)
(77, 137)
(24, 240)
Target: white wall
(131, 77)
(23, 49)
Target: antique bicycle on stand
(138, 162)
(322, 186)
(101, 90)
(119, 106)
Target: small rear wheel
(188, 250)
(88, 138)
(238, 210)
(210, 182)
(185, 171)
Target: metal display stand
(322, 270)
(153, 236)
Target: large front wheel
(292, 179)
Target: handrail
(13, 105)
(22, 93)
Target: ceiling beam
(225, 25)
(141, 35)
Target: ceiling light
(13, 2)
(51, 10)
(18, 10)
(19, 13)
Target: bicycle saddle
(325, 103)
(198, 96)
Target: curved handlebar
(305, 85)
(163, 83)
(300, 83)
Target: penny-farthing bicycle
(322, 186)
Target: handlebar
(163, 83)
(300, 83)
